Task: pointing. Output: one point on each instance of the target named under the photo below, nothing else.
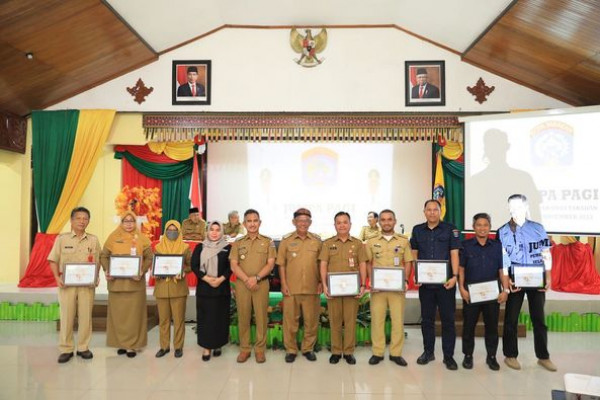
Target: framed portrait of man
(425, 83)
(191, 82)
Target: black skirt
(212, 314)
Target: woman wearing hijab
(210, 263)
(127, 321)
(171, 293)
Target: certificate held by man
(483, 292)
(80, 274)
(343, 284)
(388, 279)
(432, 272)
(125, 266)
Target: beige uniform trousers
(171, 309)
(380, 302)
(342, 310)
(75, 301)
(246, 302)
(294, 306)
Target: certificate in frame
(528, 276)
(388, 279)
(80, 274)
(343, 284)
(124, 266)
(432, 272)
(484, 292)
(167, 265)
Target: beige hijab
(120, 241)
(209, 262)
(168, 246)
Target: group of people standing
(305, 263)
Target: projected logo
(552, 144)
(319, 167)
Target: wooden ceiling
(552, 46)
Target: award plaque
(167, 265)
(484, 292)
(124, 266)
(528, 276)
(432, 272)
(343, 283)
(80, 274)
(388, 279)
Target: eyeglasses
(128, 221)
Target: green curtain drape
(53, 141)
(158, 170)
(454, 174)
(175, 199)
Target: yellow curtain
(179, 151)
(93, 128)
(452, 150)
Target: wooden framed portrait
(191, 82)
(425, 83)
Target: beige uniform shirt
(68, 248)
(300, 258)
(343, 256)
(232, 230)
(252, 254)
(392, 253)
(367, 233)
(192, 230)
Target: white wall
(253, 70)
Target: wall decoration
(308, 46)
(481, 91)
(191, 82)
(425, 83)
(140, 91)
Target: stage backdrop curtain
(176, 150)
(454, 173)
(66, 148)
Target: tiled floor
(28, 370)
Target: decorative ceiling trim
(302, 127)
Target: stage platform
(564, 303)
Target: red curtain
(573, 269)
(38, 272)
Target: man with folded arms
(77, 246)
(252, 259)
(481, 261)
(388, 249)
(298, 263)
(343, 253)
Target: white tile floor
(28, 370)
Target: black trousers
(536, 300)
(433, 298)
(471, 313)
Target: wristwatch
(258, 278)
(506, 290)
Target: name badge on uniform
(351, 259)
(396, 258)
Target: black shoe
(492, 363)
(131, 354)
(162, 352)
(467, 362)
(206, 357)
(290, 357)
(86, 354)
(65, 357)
(178, 353)
(310, 356)
(374, 360)
(399, 360)
(121, 352)
(217, 352)
(334, 359)
(425, 358)
(350, 359)
(450, 363)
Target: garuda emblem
(308, 46)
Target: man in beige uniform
(388, 249)
(194, 228)
(343, 253)
(233, 228)
(77, 246)
(252, 259)
(298, 263)
(372, 230)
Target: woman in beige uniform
(171, 293)
(127, 321)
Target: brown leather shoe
(243, 356)
(260, 357)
